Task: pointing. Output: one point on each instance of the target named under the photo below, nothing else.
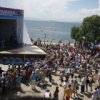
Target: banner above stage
(11, 20)
(11, 12)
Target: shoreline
(52, 43)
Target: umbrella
(97, 46)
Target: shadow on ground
(36, 91)
(77, 98)
(44, 86)
(88, 94)
(24, 98)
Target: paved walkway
(39, 92)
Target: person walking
(68, 93)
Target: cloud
(51, 9)
(81, 14)
(43, 9)
(99, 3)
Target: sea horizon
(49, 20)
(50, 30)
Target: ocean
(50, 30)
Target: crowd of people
(78, 69)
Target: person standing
(49, 75)
(75, 87)
(83, 81)
(91, 83)
(56, 93)
(61, 78)
(98, 92)
(33, 80)
(68, 92)
(1, 71)
(99, 80)
(18, 81)
(95, 94)
(3, 85)
(87, 83)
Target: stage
(24, 51)
(15, 42)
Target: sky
(59, 10)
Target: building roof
(26, 50)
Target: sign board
(11, 12)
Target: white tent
(26, 38)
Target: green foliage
(90, 29)
(75, 33)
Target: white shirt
(83, 81)
(47, 95)
(64, 84)
(95, 95)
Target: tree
(90, 29)
(75, 33)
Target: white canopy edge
(26, 37)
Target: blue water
(50, 30)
